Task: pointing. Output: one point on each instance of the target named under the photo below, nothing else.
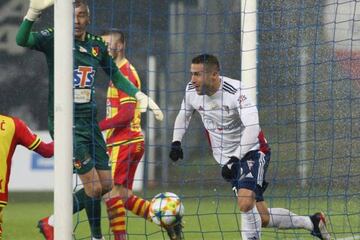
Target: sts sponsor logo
(84, 76)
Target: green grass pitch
(209, 217)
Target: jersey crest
(95, 51)
(84, 76)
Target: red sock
(116, 213)
(138, 206)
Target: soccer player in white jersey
(231, 119)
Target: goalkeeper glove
(35, 8)
(146, 102)
(176, 151)
(231, 170)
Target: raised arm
(24, 37)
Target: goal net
(306, 79)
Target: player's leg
(282, 218)
(83, 165)
(264, 213)
(102, 163)
(92, 201)
(124, 160)
(250, 217)
(247, 177)
(133, 203)
(97, 181)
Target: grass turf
(210, 217)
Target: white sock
(98, 238)
(251, 224)
(51, 220)
(284, 219)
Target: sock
(116, 214)
(93, 212)
(51, 220)
(284, 219)
(78, 200)
(138, 206)
(251, 224)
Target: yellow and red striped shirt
(116, 99)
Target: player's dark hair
(78, 3)
(117, 33)
(208, 60)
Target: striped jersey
(115, 101)
(230, 118)
(13, 132)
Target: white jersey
(229, 116)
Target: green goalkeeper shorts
(89, 146)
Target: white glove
(146, 102)
(35, 8)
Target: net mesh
(308, 97)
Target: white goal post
(63, 110)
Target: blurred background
(307, 71)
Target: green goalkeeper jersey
(89, 55)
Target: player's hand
(35, 8)
(176, 151)
(229, 171)
(146, 102)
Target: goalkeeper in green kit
(90, 158)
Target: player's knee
(106, 187)
(245, 203)
(94, 191)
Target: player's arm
(122, 119)
(122, 83)
(182, 122)
(24, 37)
(32, 142)
(250, 119)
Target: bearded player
(238, 146)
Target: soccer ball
(166, 209)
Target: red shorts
(124, 160)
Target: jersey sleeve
(121, 120)
(183, 118)
(31, 141)
(250, 119)
(41, 41)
